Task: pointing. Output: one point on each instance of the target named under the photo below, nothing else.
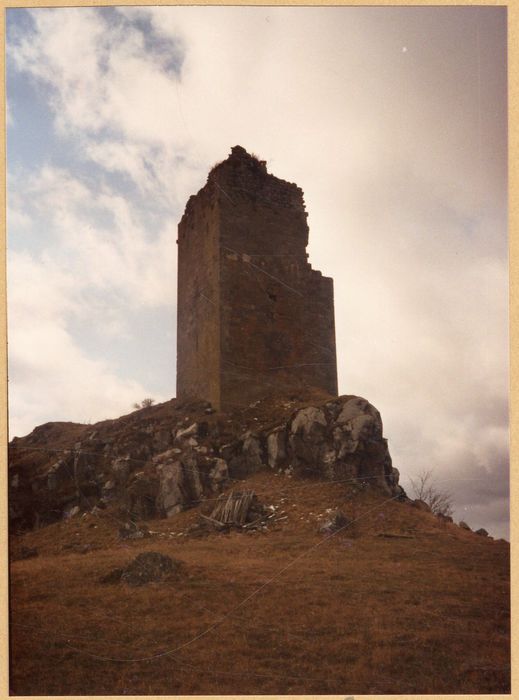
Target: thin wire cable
(312, 484)
(215, 625)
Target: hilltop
(339, 583)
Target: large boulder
(185, 477)
(342, 440)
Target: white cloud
(100, 238)
(50, 376)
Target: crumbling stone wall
(253, 316)
(198, 310)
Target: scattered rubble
(238, 510)
(131, 531)
(337, 521)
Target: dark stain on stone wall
(254, 318)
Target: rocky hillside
(180, 551)
(160, 460)
(384, 599)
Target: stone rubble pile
(147, 567)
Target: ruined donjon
(254, 318)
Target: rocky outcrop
(156, 463)
(340, 440)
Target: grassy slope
(357, 613)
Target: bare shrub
(145, 403)
(424, 488)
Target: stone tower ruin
(254, 318)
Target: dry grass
(357, 613)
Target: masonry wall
(198, 316)
(275, 332)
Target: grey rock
(337, 521)
(464, 525)
(172, 487)
(354, 407)
(161, 440)
(252, 453)
(187, 432)
(193, 483)
(141, 495)
(72, 512)
(58, 474)
(121, 470)
(309, 422)
(362, 419)
(482, 532)
(219, 474)
(276, 447)
(131, 531)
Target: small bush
(145, 403)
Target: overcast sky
(393, 122)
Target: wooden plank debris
(233, 509)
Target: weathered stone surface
(187, 432)
(276, 447)
(309, 422)
(252, 453)
(342, 441)
(253, 316)
(219, 474)
(172, 488)
(191, 461)
(140, 496)
(58, 473)
(338, 440)
(121, 468)
(131, 531)
(336, 522)
(72, 512)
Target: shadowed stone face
(254, 318)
